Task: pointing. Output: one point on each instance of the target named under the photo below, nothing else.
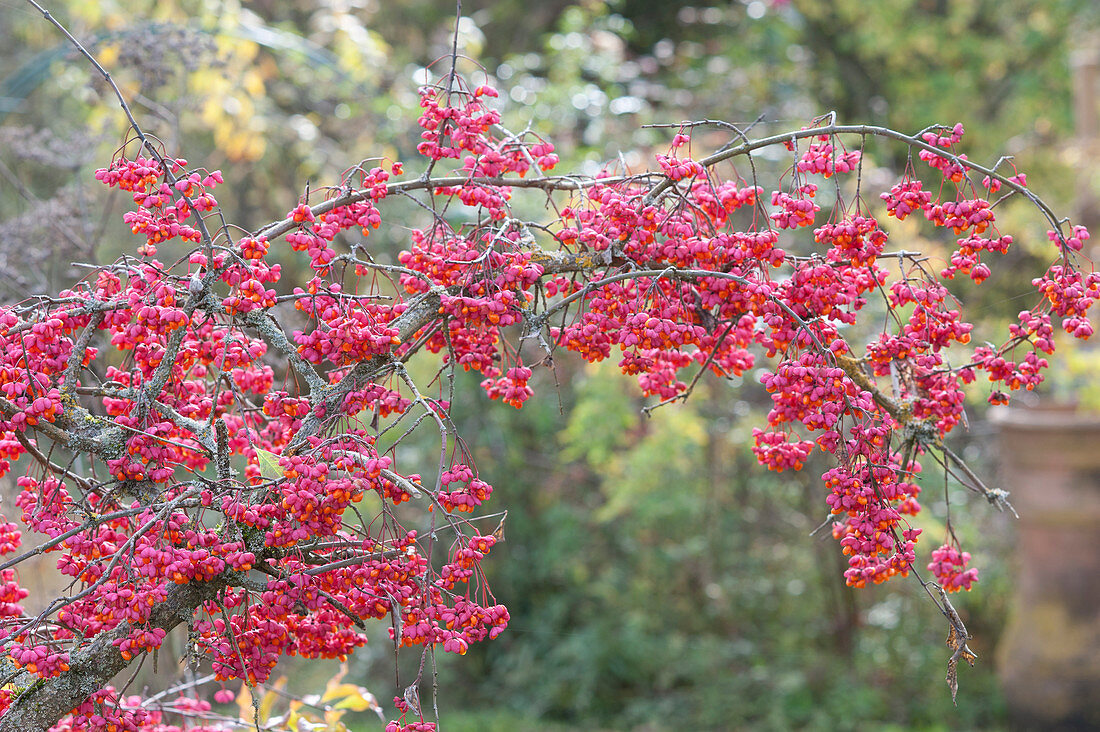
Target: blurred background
(656, 576)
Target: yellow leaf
(359, 701)
(244, 701)
(339, 690)
(269, 699)
(269, 464)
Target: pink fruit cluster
(826, 156)
(795, 211)
(165, 200)
(953, 168)
(948, 565)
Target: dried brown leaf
(956, 641)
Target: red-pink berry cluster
(961, 215)
(162, 207)
(856, 240)
(795, 211)
(471, 493)
(825, 156)
(948, 565)
(906, 197)
(1071, 294)
(954, 170)
(872, 493)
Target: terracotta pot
(1049, 657)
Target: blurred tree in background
(618, 620)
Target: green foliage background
(656, 576)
